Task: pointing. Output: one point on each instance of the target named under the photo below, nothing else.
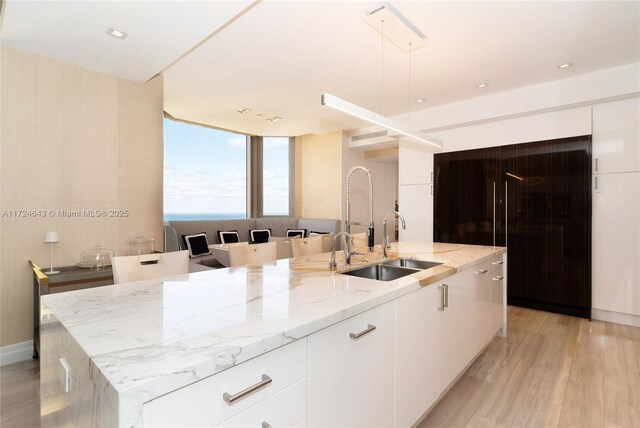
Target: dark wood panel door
(548, 214)
(465, 184)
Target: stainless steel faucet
(385, 237)
(348, 223)
(347, 250)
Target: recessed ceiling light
(258, 115)
(419, 100)
(482, 85)
(273, 118)
(243, 110)
(117, 34)
(565, 65)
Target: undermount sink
(410, 263)
(381, 272)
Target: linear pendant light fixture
(377, 119)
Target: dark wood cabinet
(534, 198)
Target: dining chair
(283, 246)
(148, 266)
(306, 246)
(253, 254)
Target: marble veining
(151, 337)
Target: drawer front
(202, 403)
(284, 409)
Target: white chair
(306, 246)
(283, 246)
(253, 255)
(148, 266)
(327, 241)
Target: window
(205, 173)
(275, 176)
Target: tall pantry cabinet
(616, 211)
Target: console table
(70, 278)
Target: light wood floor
(552, 370)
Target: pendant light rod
(354, 110)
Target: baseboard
(615, 317)
(17, 352)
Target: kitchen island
(181, 350)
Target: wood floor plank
(459, 405)
(583, 404)
(622, 382)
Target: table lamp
(51, 238)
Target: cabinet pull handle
(369, 329)
(432, 176)
(266, 424)
(596, 164)
(230, 399)
(596, 178)
(481, 272)
(498, 278)
(441, 288)
(446, 295)
(432, 190)
(497, 262)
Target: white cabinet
(203, 403)
(440, 329)
(417, 353)
(287, 408)
(350, 377)
(465, 322)
(414, 166)
(616, 243)
(416, 205)
(498, 297)
(616, 136)
(415, 194)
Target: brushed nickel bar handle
(596, 164)
(369, 329)
(446, 295)
(230, 399)
(481, 271)
(596, 178)
(498, 262)
(441, 288)
(498, 278)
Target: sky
(205, 171)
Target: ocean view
(202, 216)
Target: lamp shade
(51, 237)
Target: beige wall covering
(71, 139)
(385, 190)
(322, 163)
(318, 170)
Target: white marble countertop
(151, 337)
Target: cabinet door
(287, 408)
(414, 166)
(498, 297)
(351, 380)
(417, 358)
(616, 136)
(616, 243)
(465, 323)
(416, 205)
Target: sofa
(174, 230)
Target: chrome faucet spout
(370, 231)
(347, 250)
(385, 237)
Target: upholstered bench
(175, 230)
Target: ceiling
(279, 56)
